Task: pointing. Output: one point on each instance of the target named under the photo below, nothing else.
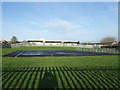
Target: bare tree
(108, 40)
(14, 39)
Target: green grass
(83, 61)
(59, 72)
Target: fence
(20, 45)
(111, 50)
(78, 48)
(5, 45)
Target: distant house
(69, 43)
(100, 45)
(15, 42)
(112, 45)
(52, 43)
(4, 41)
(36, 42)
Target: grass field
(59, 72)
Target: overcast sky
(70, 21)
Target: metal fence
(5, 45)
(108, 50)
(20, 45)
(78, 48)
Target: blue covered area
(54, 53)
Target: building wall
(37, 43)
(70, 44)
(54, 44)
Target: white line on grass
(19, 54)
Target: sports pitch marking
(19, 54)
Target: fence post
(96, 49)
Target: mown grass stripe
(114, 73)
(65, 76)
(76, 81)
(60, 78)
(78, 78)
(5, 80)
(10, 81)
(26, 78)
(89, 82)
(54, 78)
(99, 80)
(11, 84)
(23, 80)
(102, 80)
(45, 80)
(84, 78)
(40, 77)
(110, 80)
(29, 79)
(113, 76)
(95, 79)
(71, 78)
(81, 77)
(4, 73)
(57, 78)
(19, 79)
(91, 78)
(7, 73)
(35, 77)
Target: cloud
(59, 24)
